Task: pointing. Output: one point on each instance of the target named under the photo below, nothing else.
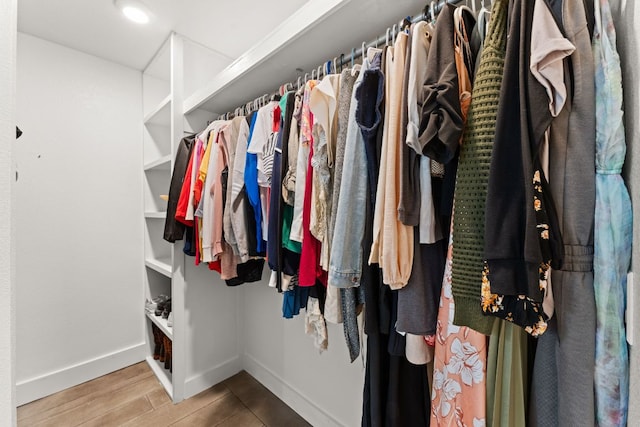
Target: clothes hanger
(364, 50)
(386, 36)
(320, 72)
(341, 62)
(405, 24)
(353, 54)
(433, 12)
(313, 74)
(306, 77)
(394, 33)
(467, 8)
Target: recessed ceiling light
(134, 10)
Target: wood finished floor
(133, 397)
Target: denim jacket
(345, 266)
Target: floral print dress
(458, 396)
(521, 309)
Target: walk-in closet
(327, 213)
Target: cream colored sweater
(392, 246)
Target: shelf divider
(161, 323)
(158, 215)
(161, 114)
(163, 162)
(162, 266)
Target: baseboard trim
(289, 394)
(213, 376)
(52, 382)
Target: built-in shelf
(161, 114)
(223, 91)
(163, 163)
(163, 375)
(264, 67)
(162, 266)
(161, 323)
(158, 215)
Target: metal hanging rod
(430, 11)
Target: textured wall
(627, 20)
(7, 142)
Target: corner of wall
(8, 35)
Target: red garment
(215, 266)
(197, 188)
(183, 201)
(197, 196)
(310, 269)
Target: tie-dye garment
(613, 228)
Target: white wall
(627, 18)
(212, 335)
(7, 247)
(77, 218)
(326, 389)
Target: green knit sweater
(473, 177)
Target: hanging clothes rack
(431, 10)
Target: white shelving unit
(194, 362)
(158, 152)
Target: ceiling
(96, 27)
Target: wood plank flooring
(134, 397)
